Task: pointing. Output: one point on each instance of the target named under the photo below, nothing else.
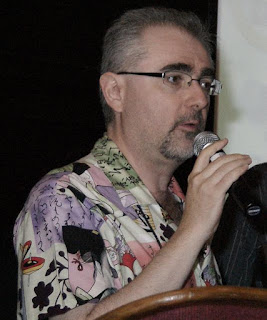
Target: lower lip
(188, 127)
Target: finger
(226, 162)
(228, 170)
(205, 155)
(221, 174)
(232, 176)
(217, 169)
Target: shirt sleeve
(62, 261)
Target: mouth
(191, 126)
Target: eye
(174, 79)
(206, 83)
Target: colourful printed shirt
(87, 230)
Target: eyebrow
(177, 67)
(206, 72)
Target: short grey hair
(122, 45)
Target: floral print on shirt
(87, 230)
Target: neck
(153, 169)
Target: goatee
(170, 147)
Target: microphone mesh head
(202, 139)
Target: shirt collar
(115, 166)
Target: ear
(112, 89)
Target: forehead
(166, 45)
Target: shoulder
(64, 196)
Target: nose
(200, 98)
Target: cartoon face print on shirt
(85, 248)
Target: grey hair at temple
(122, 45)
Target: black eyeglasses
(180, 79)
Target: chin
(180, 147)
(178, 153)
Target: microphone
(206, 138)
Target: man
(109, 228)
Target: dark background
(50, 56)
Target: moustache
(197, 116)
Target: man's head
(157, 75)
(123, 47)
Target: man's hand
(208, 184)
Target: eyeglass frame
(162, 75)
